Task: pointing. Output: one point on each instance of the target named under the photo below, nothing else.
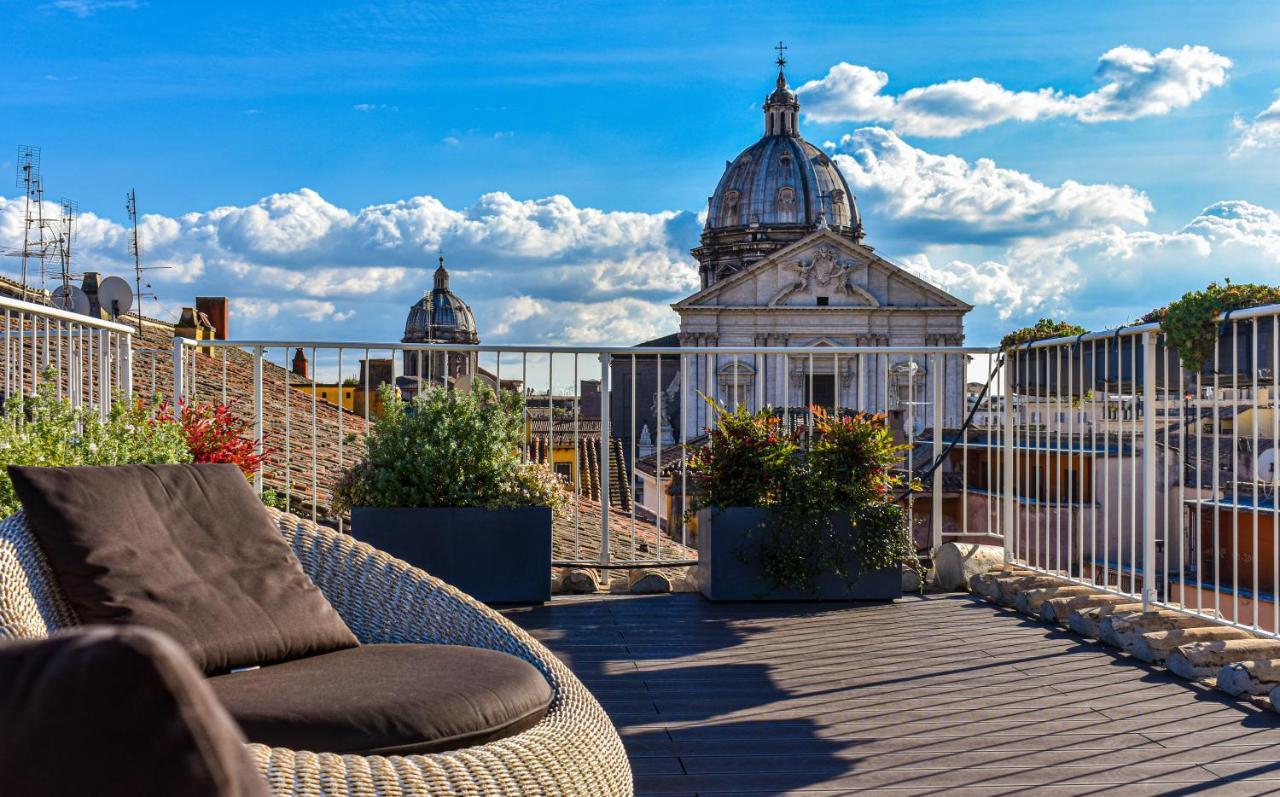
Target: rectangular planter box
(729, 542)
(1050, 372)
(1237, 363)
(1119, 366)
(493, 555)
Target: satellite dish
(115, 296)
(71, 299)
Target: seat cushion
(115, 711)
(188, 550)
(387, 699)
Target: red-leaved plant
(215, 434)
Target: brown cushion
(387, 699)
(115, 711)
(188, 550)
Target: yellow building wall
(349, 397)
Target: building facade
(783, 263)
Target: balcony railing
(631, 497)
(1100, 459)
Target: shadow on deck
(924, 696)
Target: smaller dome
(440, 316)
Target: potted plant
(1052, 371)
(442, 486)
(1222, 352)
(801, 515)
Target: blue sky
(560, 153)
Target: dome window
(786, 199)
(731, 205)
(785, 160)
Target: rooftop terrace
(942, 694)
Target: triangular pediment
(823, 270)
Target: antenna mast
(135, 248)
(28, 179)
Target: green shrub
(448, 448)
(1044, 329)
(1189, 324)
(842, 464)
(746, 462)
(45, 430)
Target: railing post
(258, 352)
(1148, 470)
(178, 382)
(1007, 465)
(104, 372)
(126, 365)
(935, 519)
(605, 434)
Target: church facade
(783, 263)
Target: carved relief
(824, 270)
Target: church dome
(783, 180)
(440, 316)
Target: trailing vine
(1044, 329)
(1190, 324)
(812, 480)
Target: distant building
(782, 263)
(439, 317)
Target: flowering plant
(840, 464)
(1189, 323)
(215, 434)
(746, 461)
(48, 431)
(1044, 329)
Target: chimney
(90, 288)
(215, 307)
(300, 364)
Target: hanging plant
(1190, 324)
(1044, 329)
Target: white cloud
(944, 198)
(85, 8)
(368, 107)
(1262, 133)
(296, 256)
(1134, 83)
(267, 309)
(1109, 275)
(625, 320)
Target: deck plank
(925, 694)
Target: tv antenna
(42, 239)
(135, 248)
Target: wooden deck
(943, 695)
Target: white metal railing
(646, 402)
(89, 360)
(1145, 478)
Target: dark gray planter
(729, 540)
(493, 555)
(1236, 363)
(1053, 372)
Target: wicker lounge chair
(575, 750)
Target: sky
(1088, 161)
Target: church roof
(783, 180)
(440, 315)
